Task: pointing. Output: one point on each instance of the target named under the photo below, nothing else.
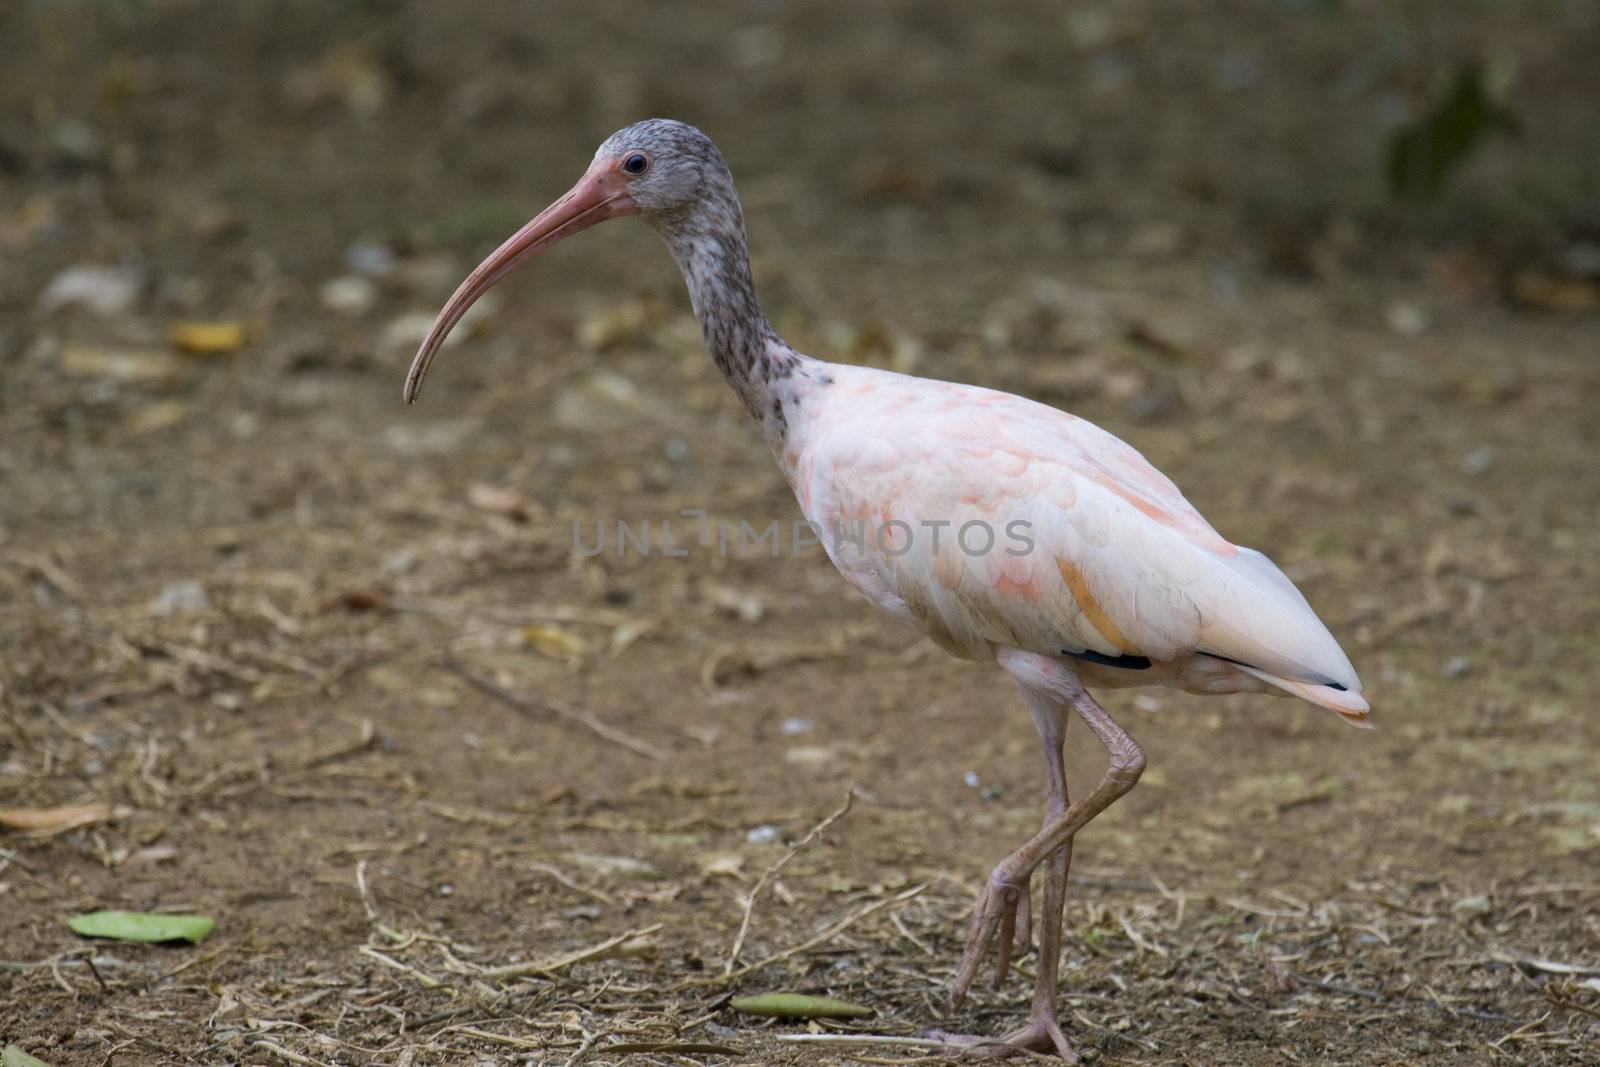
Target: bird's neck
(710, 248)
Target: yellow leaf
(553, 641)
(207, 338)
(54, 820)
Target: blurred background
(1333, 265)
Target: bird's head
(661, 169)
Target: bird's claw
(1042, 1034)
(1003, 918)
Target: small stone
(244, 425)
(1478, 461)
(102, 290)
(793, 726)
(370, 257)
(180, 598)
(1471, 907)
(1407, 319)
(349, 295)
(79, 142)
(762, 835)
(970, 780)
(1457, 666)
(1583, 258)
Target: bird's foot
(1003, 919)
(1042, 1034)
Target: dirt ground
(341, 679)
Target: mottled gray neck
(707, 239)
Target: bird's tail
(1349, 703)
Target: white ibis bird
(1006, 531)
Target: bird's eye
(637, 163)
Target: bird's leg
(1125, 765)
(1049, 714)
(1043, 1029)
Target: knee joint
(1127, 766)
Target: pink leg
(1049, 686)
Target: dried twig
(547, 705)
(772, 872)
(567, 880)
(426, 979)
(284, 1054)
(548, 968)
(368, 734)
(821, 939)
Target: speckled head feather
(687, 194)
(673, 177)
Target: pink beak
(602, 193)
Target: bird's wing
(1073, 541)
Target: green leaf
(142, 926)
(1423, 154)
(15, 1057)
(799, 1006)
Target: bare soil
(346, 684)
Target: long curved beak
(599, 195)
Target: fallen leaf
(54, 820)
(15, 1057)
(152, 418)
(725, 865)
(742, 604)
(618, 866)
(507, 502)
(356, 601)
(620, 324)
(1556, 293)
(142, 926)
(553, 641)
(798, 1006)
(206, 338)
(132, 365)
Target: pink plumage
(1007, 531)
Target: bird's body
(989, 521)
(1006, 531)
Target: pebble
(794, 725)
(370, 257)
(79, 142)
(179, 598)
(1456, 666)
(1407, 319)
(762, 835)
(1478, 461)
(970, 779)
(102, 290)
(349, 295)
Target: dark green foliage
(1423, 154)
